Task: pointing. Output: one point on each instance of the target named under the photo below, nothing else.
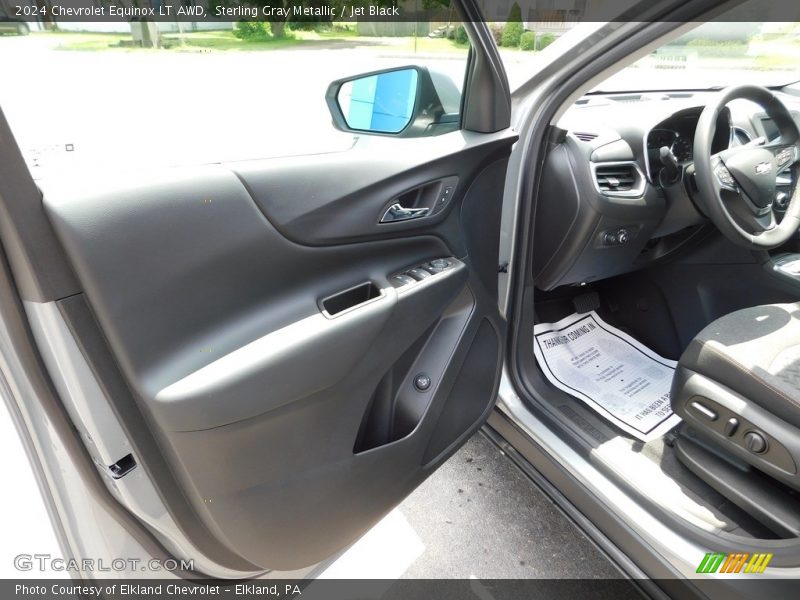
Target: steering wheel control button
(731, 425)
(422, 382)
(784, 157)
(755, 442)
(703, 411)
(724, 176)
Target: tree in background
(251, 31)
(527, 41)
(48, 22)
(513, 30)
(544, 40)
(277, 23)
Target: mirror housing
(401, 102)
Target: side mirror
(401, 101)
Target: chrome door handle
(398, 213)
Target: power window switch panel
(401, 280)
(440, 264)
(418, 273)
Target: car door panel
(287, 430)
(333, 198)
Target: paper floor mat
(615, 375)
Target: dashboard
(604, 206)
(678, 138)
(677, 134)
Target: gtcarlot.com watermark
(46, 562)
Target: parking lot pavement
(126, 110)
(478, 516)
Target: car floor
(478, 516)
(652, 467)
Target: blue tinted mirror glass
(382, 103)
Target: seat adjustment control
(731, 425)
(755, 442)
(704, 411)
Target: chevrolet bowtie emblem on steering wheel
(763, 168)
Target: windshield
(714, 55)
(754, 42)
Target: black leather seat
(738, 384)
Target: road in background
(128, 109)
(103, 108)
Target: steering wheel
(738, 185)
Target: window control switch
(401, 280)
(418, 273)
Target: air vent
(585, 137)
(618, 179)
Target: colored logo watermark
(734, 562)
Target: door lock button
(445, 196)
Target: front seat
(738, 385)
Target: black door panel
(274, 364)
(340, 197)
